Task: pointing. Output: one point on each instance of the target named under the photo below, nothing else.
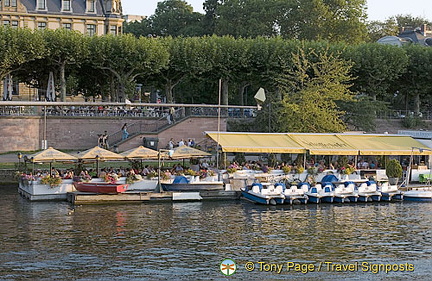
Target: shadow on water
(184, 241)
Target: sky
(377, 9)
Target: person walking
(125, 133)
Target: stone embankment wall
(27, 133)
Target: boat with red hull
(100, 187)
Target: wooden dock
(80, 198)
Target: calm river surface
(188, 241)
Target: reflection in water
(187, 241)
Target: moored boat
(34, 190)
(181, 183)
(318, 194)
(100, 187)
(368, 192)
(296, 194)
(390, 192)
(420, 195)
(345, 192)
(266, 194)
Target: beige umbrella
(99, 154)
(185, 151)
(140, 152)
(50, 155)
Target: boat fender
(272, 202)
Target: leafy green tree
(64, 47)
(311, 90)
(176, 18)
(139, 28)
(410, 22)
(127, 57)
(252, 18)
(416, 81)
(376, 67)
(188, 57)
(331, 20)
(378, 29)
(18, 46)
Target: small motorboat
(267, 194)
(368, 192)
(318, 194)
(297, 193)
(100, 187)
(419, 195)
(181, 183)
(345, 192)
(390, 192)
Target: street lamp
(19, 160)
(97, 165)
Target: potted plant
(394, 171)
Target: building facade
(92, 17)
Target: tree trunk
(62, 82)
(168, 91)
(417, 104)
(224, 97)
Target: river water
(189, 241)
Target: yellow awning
(386, 144)
(324, 144)
(256, 142)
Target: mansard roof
(54, 7)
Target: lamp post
(97, 165)
(19, 160)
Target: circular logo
(228, 267)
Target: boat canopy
(319, 144)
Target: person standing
(171, 144)
(125, 133)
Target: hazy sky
(377, 9)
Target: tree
(127, 57)
(331, 20)
(252, 18)
(310, 92)
(376, 67)
(139, 28)
(188, 57)
(176, 18)
(416, 81)
(378, 29)
(18, 47)
(64, 47)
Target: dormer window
(41, 4)
(66, 6)
(91, 6)
(10, 3)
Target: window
(113, 29)
(91, 29)
(66, 5)
(13, 3)
(91, 6)
(41, 4)
(41, 25)
(6, 22)
(7, 3)
(15, 24)
(67, 26)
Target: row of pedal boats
(328, 192)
